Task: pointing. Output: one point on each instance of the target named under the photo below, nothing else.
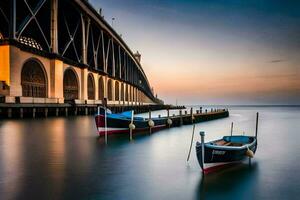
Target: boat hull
(216, 157)
(121, 126)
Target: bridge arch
(109, 90)
(101, 88)
(34, 79)
(91, 87)
(70, 85)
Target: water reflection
(236, 182)
(62, 158)
(11, 160)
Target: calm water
(62, 158)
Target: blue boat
(120, 123)
(226, 151)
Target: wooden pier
(19, 111)
(198, 116)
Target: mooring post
(192, 115)
(197, 111)
(21, 113)
(75, 111)
(33, 113)
(200, 109)
(66, 112)
(150, 128)
(46, 112)
(180, 115)
(9, 113)
(86, 111)
(57, 112)
(202, 134)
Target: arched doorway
(33, 80)
(109, 90)
(70, 85)
(91, 87)
(117, 97)
(101, 88)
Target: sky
(214, 51)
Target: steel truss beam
(31, 17)
(71, 41)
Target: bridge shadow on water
(236, 182)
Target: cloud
(277, 61)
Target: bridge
(63, 51)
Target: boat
(109, 123)
(226, 151)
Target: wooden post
(150, 129)
(180, 115)
(256, 127)
(202, 134)
(21, 113)
(9, 113)
(57, 112)
(33, 113)
(75, 111)
(86, 111)
(46, 112)
(192, 115)
(168, 111)
(231, 130)
(66, 112)
(131, 124)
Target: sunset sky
(214, 51)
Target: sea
(63, 158)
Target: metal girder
(95, 50)
(71, 41)
(85, 37)
(4, 15)
(29, 18)
(107, 54)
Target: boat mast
(257, 114)
(231, 131)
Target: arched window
(117, 91)
(109, 90)
(33, 80)
(101, 88)
(70, 85)
(91, 87)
